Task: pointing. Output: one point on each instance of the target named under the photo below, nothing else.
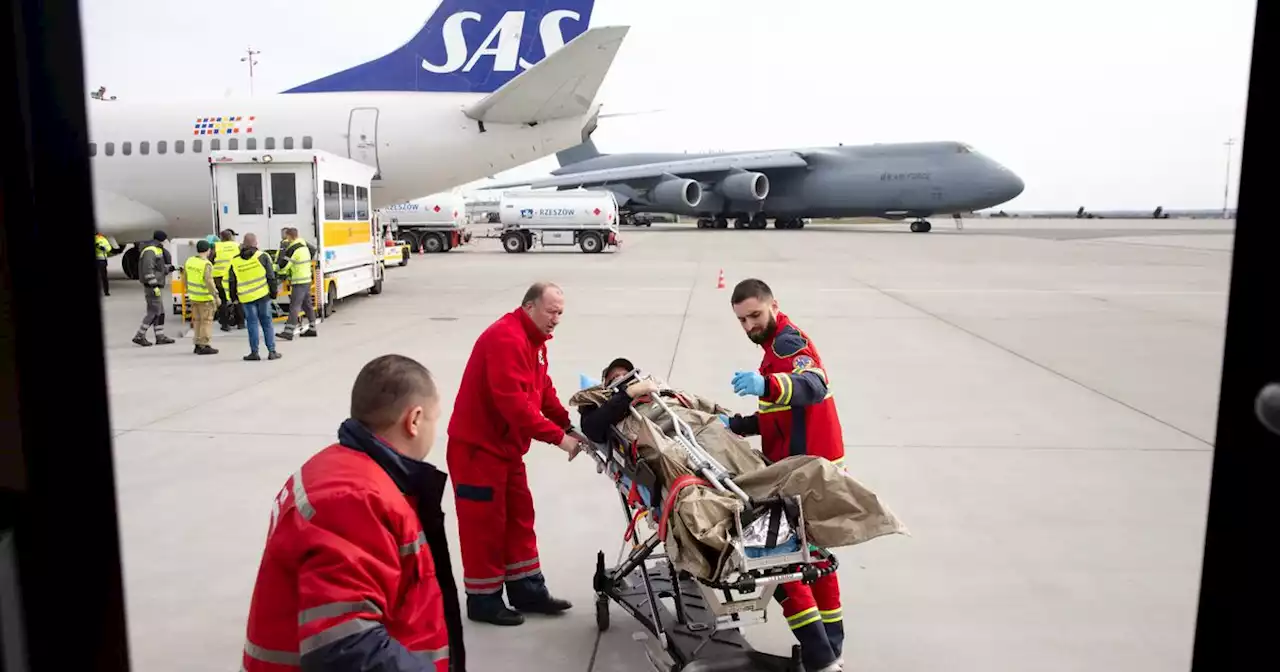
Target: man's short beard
(766, 334)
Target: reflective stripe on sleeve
(414, 546)
(336, 609)
(268, 656)
(432, 655)
(300, 499)
(334, 633)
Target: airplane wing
(699, 168)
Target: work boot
(287, 335)
(226, 327)
(491, 609)
(252, 357)
(161, 339)
(530, 595)
(310, 332)
(141, 339)
(206, 350)
(274, 355)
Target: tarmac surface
(1035, 399)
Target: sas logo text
(502, 42)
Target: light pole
(1226, 186)
(249, 59)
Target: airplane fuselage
(890, 180)
(150, 160)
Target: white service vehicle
(435, 223)
(323, 195)
(586, 218)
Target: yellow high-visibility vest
(103, 247)
(251, 277)
(300, 265)
(196, 289)
(223, 252)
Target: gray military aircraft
(894, 181)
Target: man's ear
(413, 421)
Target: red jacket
(797, 415)
(506, 398)
(356, 571)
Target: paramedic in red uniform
(505, 401)
(356, 573)
(796, 416)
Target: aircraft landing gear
(717, 223)
(921, 226)
(788, 223)
(758, 221)
(742, 222)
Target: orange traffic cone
(720, 280)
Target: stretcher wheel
(602, 612)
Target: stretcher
(769, 549)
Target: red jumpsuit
(797, 416)
(505, 400)
(355, 573)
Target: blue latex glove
(725, 419)
(584, 382)
(748, 383)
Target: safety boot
(206, 350)
(309, 333)
(274, 355)
(164, 340)
(286, 335)
(491, 609)
(141, 339)
(530, 595)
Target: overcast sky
(1102, 103)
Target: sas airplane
(485, 85)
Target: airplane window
(93, 149)
(179, 146)
(144, 148)
(215, 144)
(233, 144)
(306, 142)
(963, 149)
(250, 143)
(288, 143)
(362, 203)
(162, 147)
(284, 194)
(348, 202)
(332, 209)
(249, 191)
(111, 149)
(271, 143)
(126, 148)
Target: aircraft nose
(1013, 186)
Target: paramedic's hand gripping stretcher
(768, 548)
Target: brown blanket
(838, 511)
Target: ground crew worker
(103, 248)
(153, 267)
(252, 282)
(203, 294)
(796, 416)
(506, 400)
(295, 263)
(356, 573)
(224, 251)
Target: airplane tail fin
(471, 46)
(578, 153)
(562, 85)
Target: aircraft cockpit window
(197, 146)
(250, 143)
(93, 149)
(111, 149)
(233, 144)
(162, 147)
(144, 148)
(179, 147)
(270, 143)
(126, 148)
(306, 142)
(963, 149)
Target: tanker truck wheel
(513, 242)
(590, 243)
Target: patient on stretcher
(699, 532)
